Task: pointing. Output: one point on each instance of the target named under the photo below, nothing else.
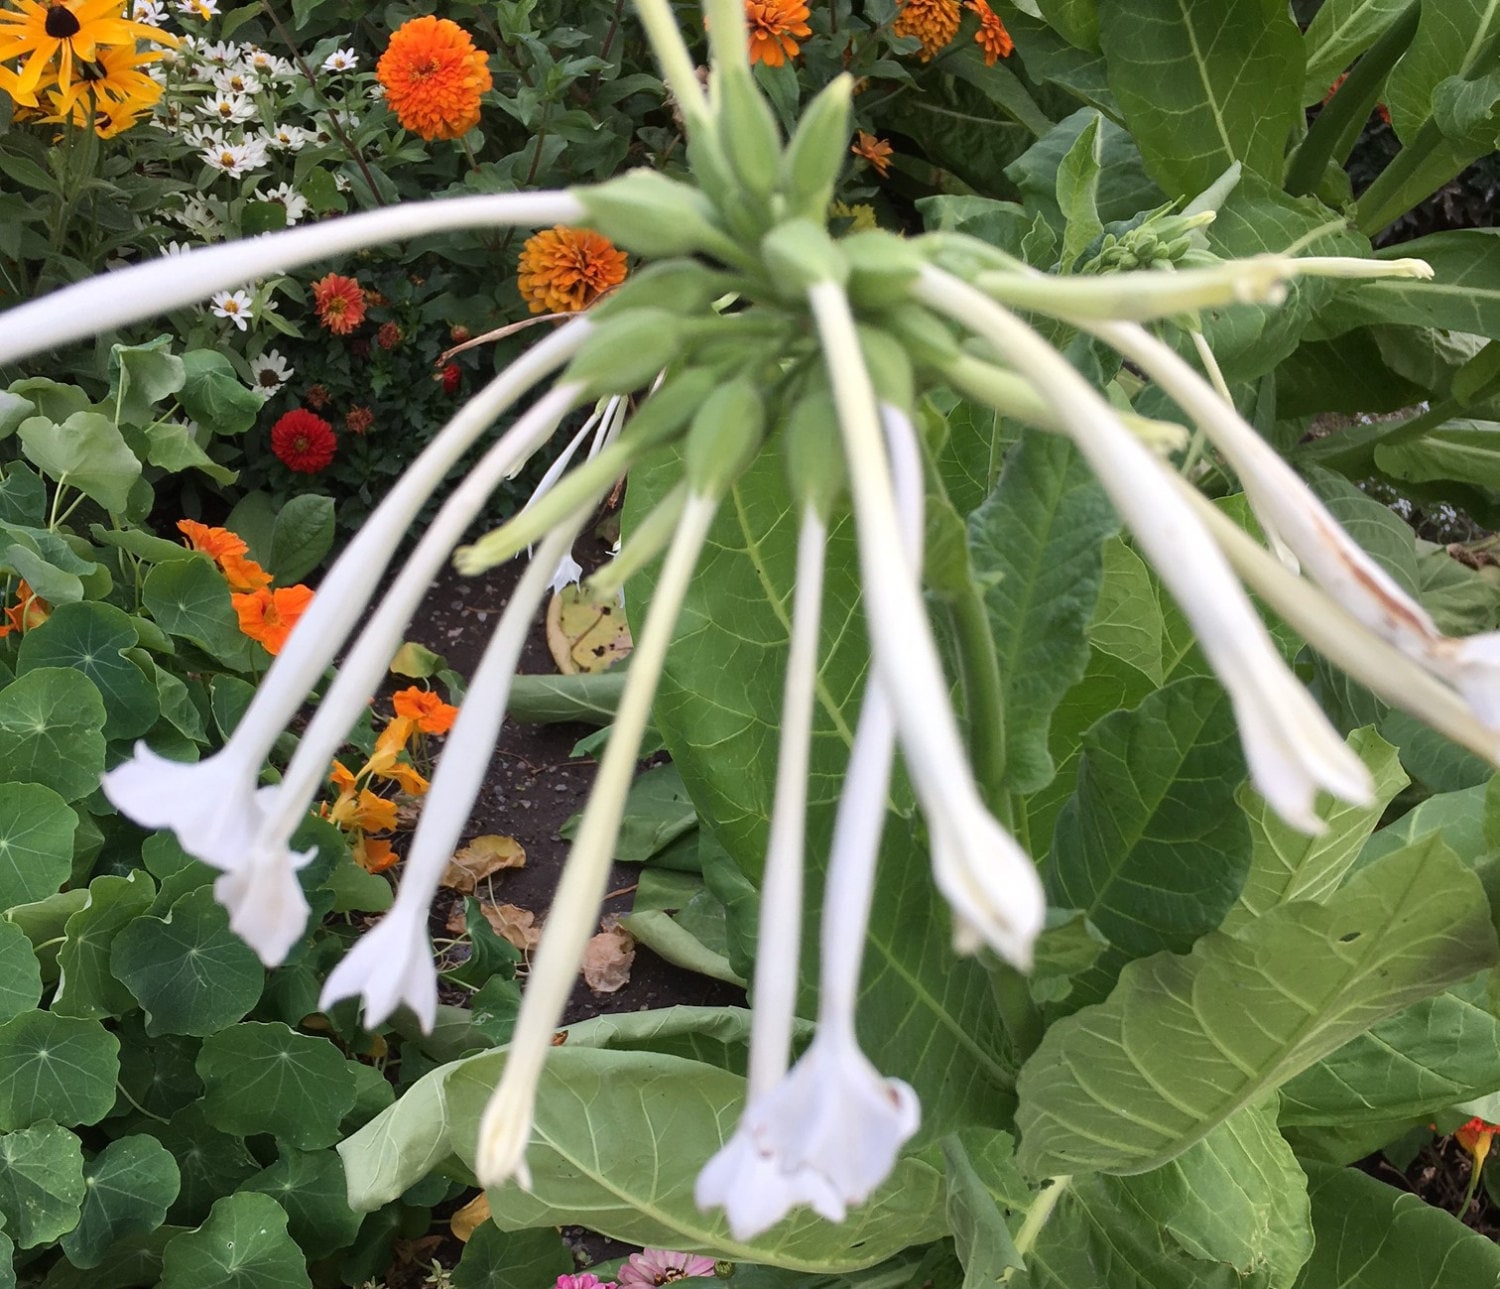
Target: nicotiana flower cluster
(754, 331)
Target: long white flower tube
(211, 804)
(1335, 561)
(505, 1127)
(392, 964)
(989, 880)
(264, 865)
(143, 290)
(1291, 748)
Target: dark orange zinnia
(774, 26)
(340, 303)
(991, 36)
(564, 270)
(933, 22)
(876, 151)
(303, 441)
(268, 616)
(433, 77)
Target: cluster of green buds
(753, 330)
(1161, 241)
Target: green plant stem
(1018, 1011)
(120, 1087)
(984, 700)
(1036, 1217)
(1339, 124)
(676, 63)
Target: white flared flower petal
(389, 966)
(989, 882)
(267, 908)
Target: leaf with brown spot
(585, 634)
(607, 960)
(481, 857)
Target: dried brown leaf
(607, 960)
(513, 923)
(470, 1218)
(481, 857)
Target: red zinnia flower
(452, 377)
(340, 303)
(358, 419)
(303, 441)
(389, 335)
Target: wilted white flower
(269, 372)
(341, 60)
(198, 217)
(234, 305)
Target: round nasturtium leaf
(41, 1183)
(36, 843)
(20, 973)
(51, 732)
(157, 1074)
(56, 1067)
(90, 638)
(311, 1187)
(243, 1245)
(87, 986)
(189, 972)
(268, 1078)
(189, 598)
(212, 1163)
(130, 1184)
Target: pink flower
(583, 1281)
(659, 1266)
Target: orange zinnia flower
(229, 551)
(431, 714)
(268, 616)
(433, 77)
(933, 22)
(774, 26)
(564, 270)
(876, 151)
(340, 303)
(991, 36)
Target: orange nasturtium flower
(775, 27)
(431, 714)
(340, 303)
(433, 77)
(1476, 1137)
(229, 551)
(268, 616)
(991, 36)
(564, 270)
(27, 612)
(876, 151)
(373, 854)
(933, 22)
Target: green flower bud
(882, 268)
(811, 164)
(649, 214)
(748, 131)
(924, 338)
(889, 367)
(799, 254)
(683, 286)
(724, 437)
(813, 449)
(626, 352)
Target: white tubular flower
(1335, 561)
(112, 299)
(1291, 748)
(286, 806)
(392, 964)
(505, 1128)
(996, 894)
(267, 908)
(212, 804)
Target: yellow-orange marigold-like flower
(340, 303)
(431, 714)
(564, 270)
(933, 22)
(991, 36)
(775, 27)
(876, 151)
(433, 77)
(269, 616)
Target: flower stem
(984, 699)
(677, 68)
(1036, 1217)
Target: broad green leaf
(1151, 847)
(1035, 544)
(981, 1238)
(1340, 31)
(7, 1261)
(657, 812)
(1077, 195)
(87, 986)
(1203, 86)
(267, 1078)
(669, 940)
(23, 496)
(1386, 537)
(1372, 1236)
(36, 842)
(1463, 450)
(1127, 621)
(214, 396)
(189, 598)
(54, 399)
(156, 1074)
(243, 1245)
(41, 1183)
(20, 976)
(619, 1138)
(51, 724)
(129, 1185)
(188, 970)
(91, 638)
(1185, 1042)
(1287, 864)
(310, 1187)
(1449, 40)
(171, 446)
(1463, 294)
(1124, 187)
(13, 410)
(1457, 817)
(496, 1259)
(141, 376)
(1430, 1056)
(924, 1016)
(43, 922)
(56, 1068)
(1230, 1213)
(1077, 21)
(302, 536)
(86, 452)
(211, 1163)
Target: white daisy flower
(220, 53)
(151, 12)
(284, 195)
(269, 372)
(237, 80)
(176, 248)
(227, 108)
(288, 138)
(198, 217)
(234, 305)
(236, 159)
(341, 60)
(204, 9)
